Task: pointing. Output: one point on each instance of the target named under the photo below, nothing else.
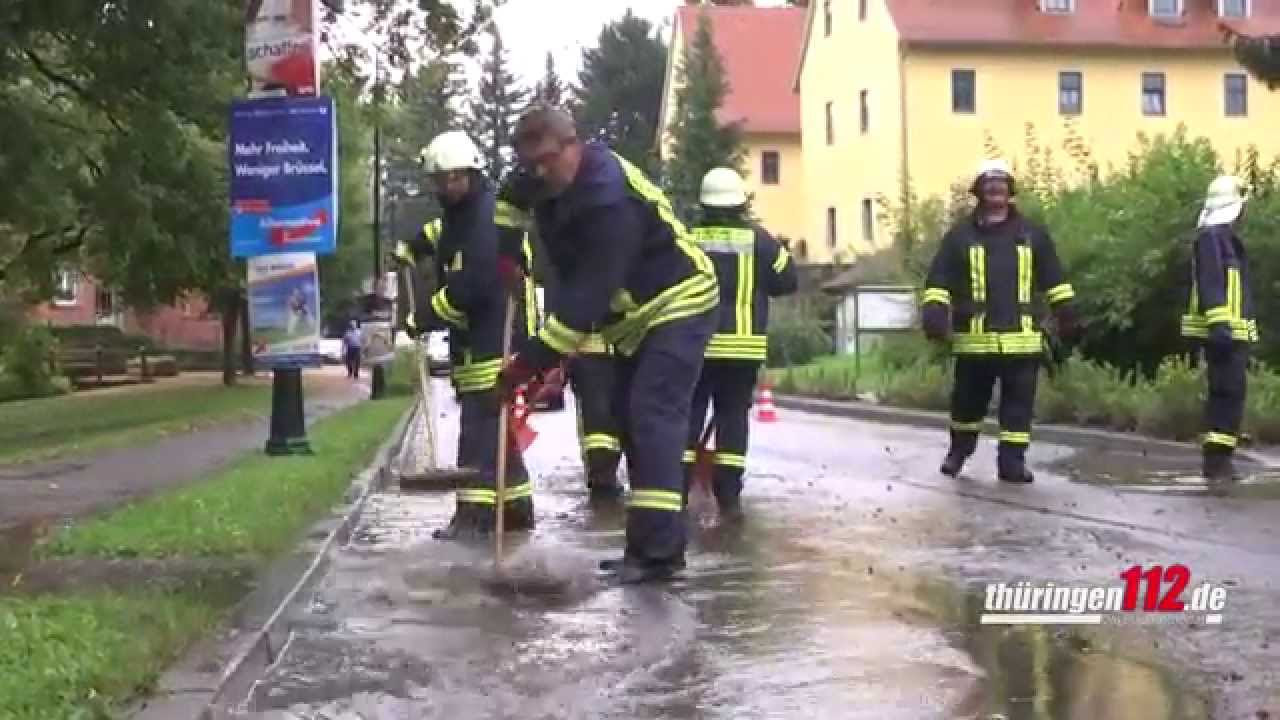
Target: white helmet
(992, 168)
(723, 187)
(1223, 202)
(451, 150)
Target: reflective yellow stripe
(518, 492)
(431, 231)
(690, 457)
(656, 500)
(530, 307)
(1024, 275)
(594, 344)
(692, 296)
(937, 295)
(560, 337)
(725, 346)
(507, 215)
(780, 263)
(959, 426)
(405, 253)
(978, 272)
(1015, 438)
(479, 376)
(652, 195)
(729, 240)
(445, 309)
(746, 291)
(1217, 315)
(602, 441)
(1223, 439)
(998, 343)
(1060, 293)
(477, 496)
(726, 459)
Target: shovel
(704, 462)
(504, 418)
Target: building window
(1058, 6)
(1153, 96)
(832, 236)
(831, 127)
(964, 91)
(826, 18)
(1070, 93)
(770, 167)
(1237, 94)
(1166, 8)
(862, 9)
(1233, 8)
(868, 220)
(65, 287)
(105, 305)
(864, 112)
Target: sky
(531, 28)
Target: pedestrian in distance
(988, 271)
(751, 267)
(351, 343)
(1220, 321)
(628, 268)
(471, 303)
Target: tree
(1259, 55)
(498, 104)
(550, 89)
(619, 91)
(699, 141)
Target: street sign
(885, 308)
(284, 310)
(284, 194)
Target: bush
(1262, 408)
(29, 366)
(924, 384)
(798, 331)
(1173, 403)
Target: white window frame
(1222, 10)
(1180, 9)
(1058, 7)
(67, 279)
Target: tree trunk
(246, 339)
(230, 316)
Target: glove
(1068, 322)
(514, 374)
(936, 319)
(511, 275)
(1218, 345)
(411, 327)
(551, 378)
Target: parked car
(331, 350)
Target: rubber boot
(728, 491)
(1012, 468)
(602, 480)
(1218, 467)
(634, 571)
(469, 522)
(962, 446)
(519, 516)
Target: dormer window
(1058, 6)
(1166, 8)
(1233, 8)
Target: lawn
(84, 656)
(45, 428)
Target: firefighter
(592, 373)
(1220, 319)
(470, 301)
(751, 267)
(626, 266)
(979, 294)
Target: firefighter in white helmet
(1220, 319)
(980, 294)
(752, 267)
(473, 278)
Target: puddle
(1167, 474)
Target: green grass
(257, 506)
(78, 657)
(40, 429)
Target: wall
(1016, 87)
(858, 55)
(780, 207)
(187, 324)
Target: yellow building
(914, 91)
(759, 48)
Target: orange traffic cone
(767, 413)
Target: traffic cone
(520, 409)
(767, 413)
(521, 433)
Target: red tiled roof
(759, 48)
(1095, 23)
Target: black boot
(602, 482)
(519, 516)
(962, 446)
(1218, 467)
(728, 492)
(470, 522)
(952, 464)
(1013, 469)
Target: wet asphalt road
(852, 591)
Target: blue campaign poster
(284, 179)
